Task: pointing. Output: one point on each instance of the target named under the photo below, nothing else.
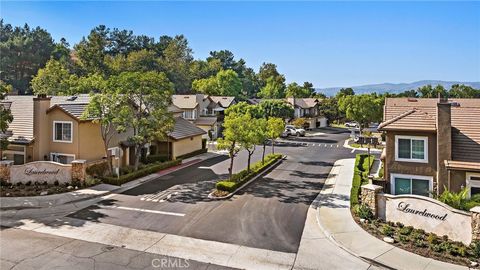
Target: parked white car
(351, 124)
(293, 131)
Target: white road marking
(337, 145)
(143, 210)
(353, 150)
(325, 145)
(204, 167)
(331, 145)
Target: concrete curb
(372, 150)
(210, 195)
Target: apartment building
(52, 128)
(308, 108)
(431, 144)
(206, 112)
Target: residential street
(269, 214)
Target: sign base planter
(266, 170)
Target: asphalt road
(270, 213)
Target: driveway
(268, 214)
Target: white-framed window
(473, 183)
(62, 158)
(189, 114)
(62, 131)
(411, 184)
(411, 148)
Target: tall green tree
(427, 91)
(23, 51)
(175, 60)
(104, 109)
(276, 108)
(233, 129)
(297, 91)
(5, 117)
(225, 83)
(274, 88)
(91, 51)
(275, 127)
(463, 91)
(54, 79)
(147, 97)
(345, 92)
(363, 109)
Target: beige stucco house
(51, 128)
(206, 112)
(431, 144)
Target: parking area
(270, 213)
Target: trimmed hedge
(192, 154)
(156, 158)
(149, 169)
(98, 169)
(360, 176)
(238, 179)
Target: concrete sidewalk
(336, 222)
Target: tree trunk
(263, 154)
(109, 160)
(137, 157)
(273, 146)
(230, 170)
(248, 162)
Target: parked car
(291, 130)
(351, 124)
(285, 133)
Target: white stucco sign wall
(41, 171)
(427, 214)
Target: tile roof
(185, 101)
(205, 121)
(465, 121)
(22, 111)
(223, 101)
(184, 129)
(303, 103)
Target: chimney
(444, 142)
(41, 126)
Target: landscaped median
(226, 188)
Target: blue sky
(327, 43)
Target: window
(473, 182)
(190, 114)
(411, 148)
(411, 184)
(62, 131)
(62, 158)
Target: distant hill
(394, 87)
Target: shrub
(406, 230)
(475, 247)
(387, 230)
(403, 239)
(156, 158)
(204, 143)
(419, 243)
(363, 211)
(399, 224)
(433, 239)
(98, 169)
(56, 183)
(360, 176)
(28, 183)
(140, 173)
(230, 185)
(460, 199)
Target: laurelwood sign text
(405, 207)
(34, 171)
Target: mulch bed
(7, 190)
(376, 230)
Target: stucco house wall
(187, 145)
